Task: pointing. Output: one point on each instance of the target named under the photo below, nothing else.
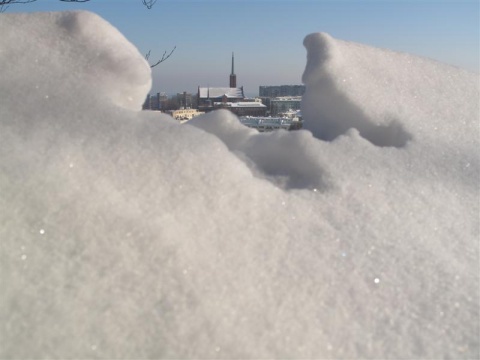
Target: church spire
(233, 77)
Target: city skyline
(267, 36)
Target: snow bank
(288, 160)
(388, 97)
(73, 53)
(127, 235)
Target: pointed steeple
(233, 77)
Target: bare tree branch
(149, 3)
(4, 4)
(164, 57)
(7, 2)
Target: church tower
(233, 77)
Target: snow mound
(127, 235)
(83, 58)
(388, 97)
(286, 159)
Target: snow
(127, 235)
(388, 97)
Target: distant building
(208, 96)
(281, 105)
(162, 102)
(184, 114)
(244, 108)
(185, 100)
(266, 124)
(281, 90)
(154, 102)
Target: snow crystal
(210, 240)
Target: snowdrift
(127, 235)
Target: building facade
(184, 114)
(208, 96)
(245, 108)
(281, 105)
(266, 124)
(154, 102)
(185, 100)
(281, 90)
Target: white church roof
(216, 92)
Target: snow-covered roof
(246, 104)
(216, 92)
(287, 98)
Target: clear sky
(267, 35)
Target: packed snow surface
(127, 235)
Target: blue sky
(267, 35)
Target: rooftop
(287, 98)
(217, 92)
(242, 104)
